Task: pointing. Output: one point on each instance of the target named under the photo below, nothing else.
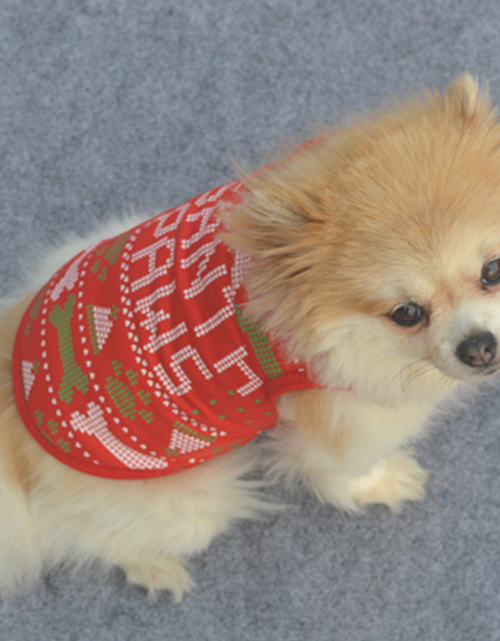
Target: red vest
(137, 358)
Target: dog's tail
(20, 553)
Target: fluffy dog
(371, 259)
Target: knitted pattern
(137, 358)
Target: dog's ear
(281, 224)
(465, 101)
(281, 215)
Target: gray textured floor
(112, 105)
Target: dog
(336, 296)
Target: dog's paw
(393, 481)
(164, 574)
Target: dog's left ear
(281, 217)
(466, 102)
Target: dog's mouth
(489, 371)
(486, 371)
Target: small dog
(336, 296)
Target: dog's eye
(407, 314)
(491, 273)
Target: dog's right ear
(466, 102)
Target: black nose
(478, 350)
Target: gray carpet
(113, 105)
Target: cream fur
(403, 207)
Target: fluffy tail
(20, 556)
(20, 562)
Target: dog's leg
(394, 480)
(167, 574)
(147, 528)
(346, 450)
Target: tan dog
(376, 261)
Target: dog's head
(378, 250)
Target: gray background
(116, 105)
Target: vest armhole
(288, 382)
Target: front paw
(160, 574)
(393, 481)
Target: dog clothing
(137, 359)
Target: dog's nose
(478, 350)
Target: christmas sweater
(137, 358)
